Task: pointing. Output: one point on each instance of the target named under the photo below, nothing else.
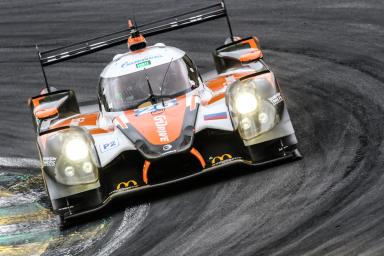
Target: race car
(157, 120)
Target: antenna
(162, 84)
(42, 69)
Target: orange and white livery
(157, 120)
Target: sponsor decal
(156, 107)
(136, 62)
(225, 158)
(161, 127)
(49, 161)
(129, 184)
(275, 99)
(167, 147)
(109, 145)
(143, 64)
(216, 116)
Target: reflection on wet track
(28, 226)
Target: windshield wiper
(152, 96)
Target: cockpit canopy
(131, 90)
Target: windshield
(131, 90)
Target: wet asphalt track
(328, 56)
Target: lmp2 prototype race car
(157, 120)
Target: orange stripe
(122, 124)
(219, 82)
(100, 131)
(251, 43)
(198, 156)
(193, 103)
(145, 171)
(254, 55)
(36, 102)
(85, 120)
(216, 98)
(48, 112)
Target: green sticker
(143, 64)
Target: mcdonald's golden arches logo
(128, 184)
(218, 159)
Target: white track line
(132, 219)
(19, 162)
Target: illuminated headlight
(87, 167)
(263, 118)
(69, 171)
(250, 105)
(246, 123)
(245, 103)
(76, 149)
(75, 160)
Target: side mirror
(237, 53)
(53, 105)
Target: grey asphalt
(328, 56)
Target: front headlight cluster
(251, 110)
(245, 103)
(76, 149)
(76, 159)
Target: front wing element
(130, 173)
(130, 188)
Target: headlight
(245, 102)
(75, 157)
(76, 149)
(76, 166)
(251, 109)
(69, 171)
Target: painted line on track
(132, 220)
(19, 162)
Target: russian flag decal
(216, 116)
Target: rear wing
(99, 43)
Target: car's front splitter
(130, 191)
